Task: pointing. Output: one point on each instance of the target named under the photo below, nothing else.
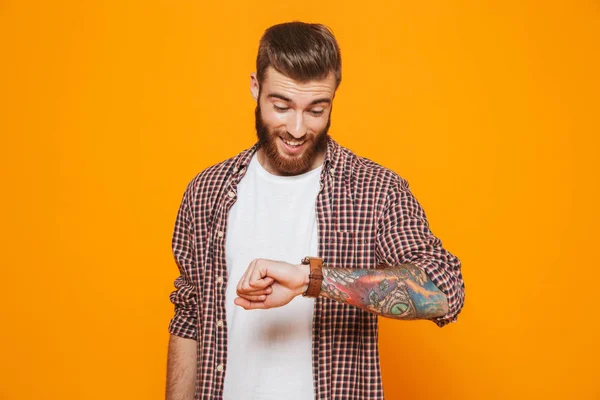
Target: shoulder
(362, 171)
(210, 181)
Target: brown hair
(300, 51)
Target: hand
(268, 284)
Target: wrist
(305, 278)
(315, 278)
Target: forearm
(181, 368)
(400, 292)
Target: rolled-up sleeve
(404, 237)
(184, 297)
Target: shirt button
(332, 171)
(219, 279)
(220, 234)
(231, 194)
(220, 367)
(220, 323)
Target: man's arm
(402, 292)
(404, 237)
(423, 280)
(181, 368)
(182, 356)
(184, 297)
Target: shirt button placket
(220, 289)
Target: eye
(316, 113)
(280, 109)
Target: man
(289, 251)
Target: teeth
(292, 143)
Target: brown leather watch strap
(315, 277)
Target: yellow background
(488, 109)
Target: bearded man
(289, 251)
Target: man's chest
(277, 223)
(285, 227)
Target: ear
(254, 87)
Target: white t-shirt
(269, 352)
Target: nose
(296, 126)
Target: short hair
(300, 51)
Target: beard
(285, 164)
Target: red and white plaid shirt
(367, 218)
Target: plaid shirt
(367, 218)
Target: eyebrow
(282, 97)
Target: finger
(257, 282)
(249, 305)
(258, 292)
(250, 297)
(260, 277)
(246, 278)
(269, 280)
(255, 279)
(241, 286)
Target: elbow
(438, 308)
(184, 326)
(185, 320)
(444, 306)
(452, 307)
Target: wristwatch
(315, 277)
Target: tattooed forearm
(402, 292)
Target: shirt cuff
(183, 326)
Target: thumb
(268, 281)
(249, 305)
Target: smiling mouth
(293, 143)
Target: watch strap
(316, 276)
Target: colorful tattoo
(402, 292)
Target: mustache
(285, 135)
